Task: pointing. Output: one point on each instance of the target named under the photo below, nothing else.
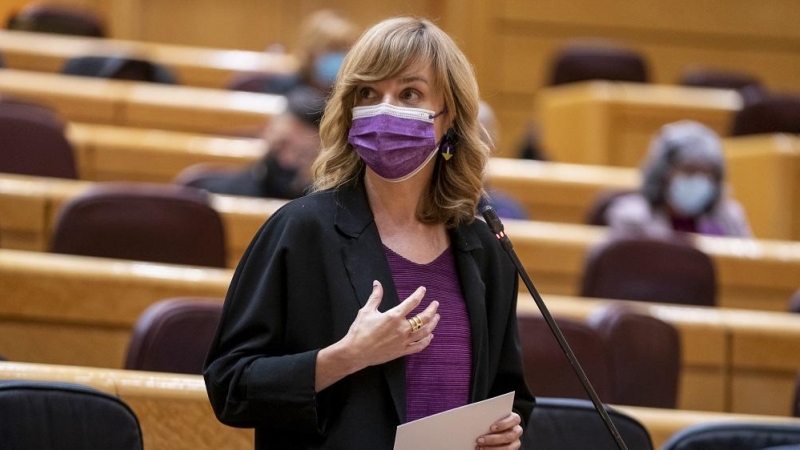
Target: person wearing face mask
(682, 188)
(292, 140)
(378, 298)
(324, 39)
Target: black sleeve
(250, 379)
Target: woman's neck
(393, 203)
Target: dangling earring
(447, 146)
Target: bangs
(396, 50)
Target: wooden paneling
(612, 124)
(764, 172)
(173, 410)
(112, 153)
(752, 274)
(193, 66)
(79, 310)
(142, 104)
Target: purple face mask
(394, 141)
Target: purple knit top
(439, 377)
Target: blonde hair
(323, 31)
(382, 52)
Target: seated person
(292, 145)
(682, 188)
(324, 38)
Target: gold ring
(416, 323)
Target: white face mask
(690, 195)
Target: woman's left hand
(504, 434)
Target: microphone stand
(498, 229)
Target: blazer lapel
(365, 261)
(469, 249)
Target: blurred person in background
(682, 188)
(323, 41)
(292, 145)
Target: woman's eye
(364, 92)
(410, 95)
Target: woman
(682, 188)
(315, 348)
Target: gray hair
(678, 143)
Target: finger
(406, 306)
(505, 423)
(426, 329)
(374, 300)
(420, 345)
(429, 312)
(503, 439)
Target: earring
(447, 146)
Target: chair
(140, 221)
(649, 269)
(597, 211)
(174, 335)
(558, 423)
(721, 79)
(598, 61)
(58, 19)
(734, 436)
(50, 416)
(547, 370)
(118, 68)
(34, 142)
(645, 356)
(772, 113)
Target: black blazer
(298, 288)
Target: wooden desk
(608, 123)
(63, 309)
(752, 274)
(112, 153)
(557, 192)
(194, 66)
(175, 414)
(173, 410)
(764, 172)
(549, 191)
(41, 198)
(134, 104)
(733, 360)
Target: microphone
(490, 215)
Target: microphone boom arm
(498, 229)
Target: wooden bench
(752, 274)
(147, 105)
(549, 191)
(194, 66)
(765, 175)
(612, 123)
(174, 412)
(62, 309)
(114, 153)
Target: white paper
(456, 429)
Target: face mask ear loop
(433, 116)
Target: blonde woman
(377, 299)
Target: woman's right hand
(375, 337)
